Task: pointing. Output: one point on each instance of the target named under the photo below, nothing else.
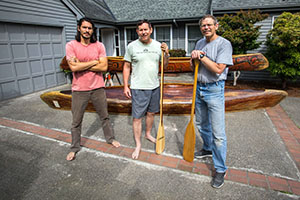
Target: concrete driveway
(263, 156)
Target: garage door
(29, 59)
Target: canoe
(177, 99)
(244, 62)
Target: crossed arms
(100, 65)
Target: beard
(86, 36)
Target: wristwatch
(201, 56)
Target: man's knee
(150, 114)
(136, 120)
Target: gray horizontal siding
(266, 25)
(263, 75)
(52, 9)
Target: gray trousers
(80, 101)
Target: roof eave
(157, 21)
(261, 8)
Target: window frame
(171, 33)
(273, 20)
(186, 36)
(125, 34)
(117, 49)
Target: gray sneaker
(218, 180)
(202, 153)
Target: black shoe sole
(202, 156)
(217, 187)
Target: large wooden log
(245, 62)
(177, 99)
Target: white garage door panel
(36, 67)
(22, 69)
(7, 72)
(29, 58)
(39, 82)
(4, 52)
(33, 50)
(25, 86)
(9, 89)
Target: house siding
(52, 9)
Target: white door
(107, 36)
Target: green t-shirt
(144, 60)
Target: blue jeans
(210, 121)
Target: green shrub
(240, 30)
(283, 47)
(177, 52)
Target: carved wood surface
(245, 62)
(177, 99)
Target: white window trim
(171, 33)
(186, 37)
(273, 20)
(125, 34)
(119, 40)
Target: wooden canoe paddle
(160, 137)
(190, 135)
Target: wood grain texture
(177, 99)
(190, 135)
(244, 62)
(160, 136)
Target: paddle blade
(160, 139)
(189, 142)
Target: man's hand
(196, 54)
(100, 65)
(74, 60)
(164, 47)
(127, 92)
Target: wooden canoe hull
(177, 99)
(245, 62)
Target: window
(163, 33)
(117, 43)
(192, 35)
(130, 35)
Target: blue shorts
(144, 101)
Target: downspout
(174, 21)
(210, 8)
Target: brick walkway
(286, 128)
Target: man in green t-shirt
(143, 56)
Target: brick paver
(287, 130)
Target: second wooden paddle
(190, 135)
(160, 137)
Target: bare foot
(136, 153)
(150, 138)
(115, 143)
(71, 156)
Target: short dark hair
(208, 16)
(143, 21)
(93, 36)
